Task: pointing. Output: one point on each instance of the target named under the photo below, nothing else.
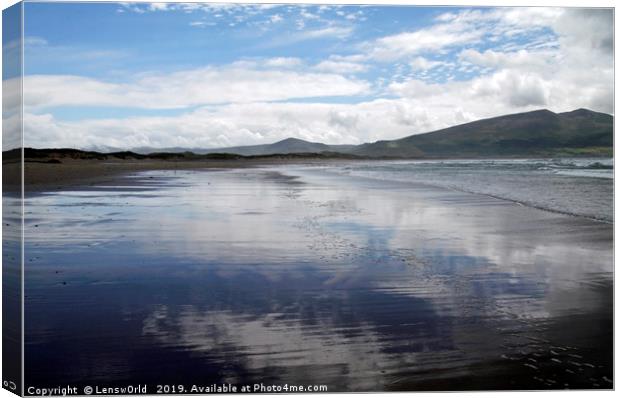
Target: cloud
(283, 62)
(334, 32)
(308, 15)
(464, 66)
(436, 38)
(566, 64)
(464, 28)
(416, 88)
(238, 124)
(269, 63)
(423, 64)
(340, 32)
(240, 82)
(337, 64)
(419, 107)
(539, 61)
(144, 7)
(201, 23)
(40, 51)
(159, 6)
(513, 89)
(587, 28)
(510, 90)
(304, 33)
(266, 122)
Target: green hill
(286, 146)
(531, 134)
(537, 133)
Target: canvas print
(306, 198)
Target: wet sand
(42, 176)
(292, 274)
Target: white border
(551, 3)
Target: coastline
(43, 175)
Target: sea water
(577, 186)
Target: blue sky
(178, 39)
(206, 75)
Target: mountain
(529, 134)
(289, 145)
(536, 133)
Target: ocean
(576, 186)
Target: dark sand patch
(44, 176)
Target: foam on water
(579, 186)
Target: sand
(40, 176)
(292, 274)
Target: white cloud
(515, 89)
(340, 32)
(308, 15)
(415, 89)
(143, 7)
(539, 61)
(304, 34)
(268, 63)
(423, 64)
(260, 122)
(569, 66)
(452, 30)
(510, 90)
(465, 28)
(240, 82)
(336, 65)
(159, 6)
(421, 107)
(282, 62)
(38, 50)
(240, 124)
(436, 38)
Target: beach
(40, 175)
(294, 274)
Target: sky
(196, 75)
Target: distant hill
(537, 133)
(531, 134)
(289, 145)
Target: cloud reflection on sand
(364, 285)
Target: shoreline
(42, 175)
(502, 198)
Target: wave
(577, 187)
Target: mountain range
(535, 133)
(540, 133)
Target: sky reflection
(297, 276)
